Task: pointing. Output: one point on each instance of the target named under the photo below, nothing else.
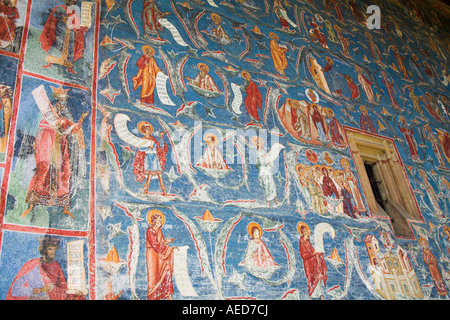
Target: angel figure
(150, 159)
(265, 165)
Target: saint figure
(160, 258)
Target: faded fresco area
(203, 149)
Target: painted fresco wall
(185, 150)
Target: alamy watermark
(250, 146)
(374, 21)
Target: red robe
(159, 265)
(48, 35)
(51, 273)
(408, 134)
(445, 142)
(319, 35)
(253, 100)
(150, 17)
(431, 262)
(8, 23)
(314, 264)
(328, 187)
(146, 77)
(50, 185)
(354, 89)
(366, 124)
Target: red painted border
(91, 231)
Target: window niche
(383, 180)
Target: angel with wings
(150, 160)
(264, 163)
(151, 156)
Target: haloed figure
(203, 80)
(258, 259)
(146, 76)
(253, 99)
(160, 258)
(313, 263)
(150, 161)
(265, 171)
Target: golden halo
(251, 225)
(273, 35)
(361, 108)
(144, 124)
(144, 49)
(244, 74)
(152, 212)
(445, 182)
(256, 138)
(299, 168)
(446, 229)
(210, 135)
(300, 225)
(422, 239)
(202, 64)
(346, 163)
(330, 111)
(215, 15)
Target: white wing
(120, 124)
(285, 16)
(274, 152)
(319, 231)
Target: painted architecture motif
(206, 150)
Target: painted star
(105, 22)
(172, 54)
(262, 83)
(105, 212)
(209, 112)
(177, 125)
(172, 176)
(117, 20)
(262, 45)
(238, 279)
(110, 93)
(115, 230)
(280, 178)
